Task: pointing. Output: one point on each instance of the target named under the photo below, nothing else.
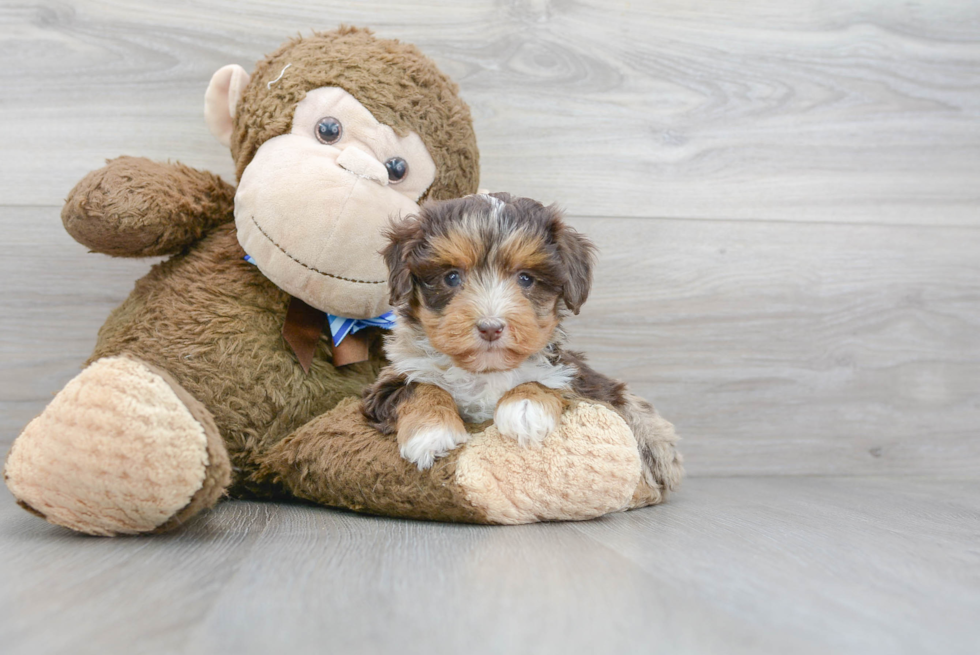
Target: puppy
(480, 286)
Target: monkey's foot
(122, 449)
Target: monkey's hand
(135, 207)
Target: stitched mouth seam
(305, 265)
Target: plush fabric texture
(134, 207)
(328, 256)
(399, 85)
(341, 461)
(217, 472)
(117, 452)
(214, 322)
(588, 467)
(221, 101)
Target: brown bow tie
(302, 329)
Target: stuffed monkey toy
(235, 366)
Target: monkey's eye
(453, 279)
(524, 280)
(329, 130)
(397, 169)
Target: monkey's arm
(135, 207)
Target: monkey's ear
(221, 99)
(578, 256)
(404, 237)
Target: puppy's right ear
(404, 238)
(578, 256)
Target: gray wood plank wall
(786, 195)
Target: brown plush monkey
(193, 391)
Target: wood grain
(65, 592)
(54, 298)
(777, 565)
(795, 348)
(849, 565)
(376, 585)
(822, 316)
(842, 111)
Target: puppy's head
(485, 277)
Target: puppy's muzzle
(490, 328)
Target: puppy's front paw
(431, 442)
(528, 421)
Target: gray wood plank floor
(786, 199)
(793, 110)
(778, 565)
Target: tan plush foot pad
(118, 451)
(587, 468)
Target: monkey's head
(333, 135)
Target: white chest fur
(476, 394)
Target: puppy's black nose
(490, 328)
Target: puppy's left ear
(578, 256)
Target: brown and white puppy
(480, 286)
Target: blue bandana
(341, 326)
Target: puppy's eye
(397, 169)
(524, 280)
(329, 130)
(453, 279)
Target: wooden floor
(786, 195)
(732, 565)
